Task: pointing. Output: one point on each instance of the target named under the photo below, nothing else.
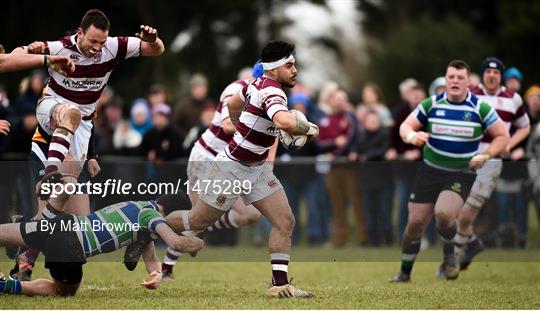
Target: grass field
(216, 279)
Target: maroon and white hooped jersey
(255, 131)
(214, 139)
(83, 87)
(509, 107)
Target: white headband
(277, 63)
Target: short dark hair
(276, 50)
(460, 64)
(97, 18)
(174, 202)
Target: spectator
(188, 110)
(437, 87)
(372, 99)
(106, 96)
(157, 95)
(141, 120)
(198, 129)
(105, 126)
(376, 179)
(29, 98)
(513, 79)
(126, 139)
(22, 132)
(162, 142)
(326, 93)
(337, 135)
(474, 80)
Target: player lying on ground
(67, 240)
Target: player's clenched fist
(147, 34)
(37, 47)
(417, 138)
(61, 64)
(4, 127)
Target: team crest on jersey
(74, 56)
(467, 116)
(456, 187)
(220, 200)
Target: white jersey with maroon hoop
(509, 107)
(214, 139)
(256, 132)
(81, 88)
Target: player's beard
(289, 83)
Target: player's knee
(443, 218)
(252, 215)
(71, 115)
(415, 223)
(285, 223)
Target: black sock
(410, 250)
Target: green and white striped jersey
(455, 129)
(118, 225)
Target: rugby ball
(290, 141)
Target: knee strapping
(63, 109)
(185, 220)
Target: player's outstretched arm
(151, 44)
(178, 243)
(14, 62)
(36, 47)
(153, 267)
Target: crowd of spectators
(358, 160)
